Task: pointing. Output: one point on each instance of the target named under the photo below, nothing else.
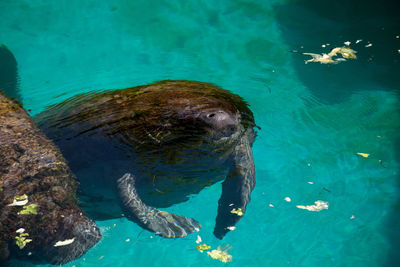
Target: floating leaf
(221, 254)
(64, 242)
(238, 212)
(319, 205)
(345, 52)
(323, 59)
(19, 201)
(365, 155)
(203, 247)
(29, 209)
(21, 240)
(199, 240)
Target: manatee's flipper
(236, 188)
(8, 73)
(161, 222)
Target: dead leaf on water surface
(345, 52)
(364, 155)
(199, 240)
(319, 205)
(202, 247)
(221, 254)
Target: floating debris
(271, 205)
(21, 240)
(238, 212)
(199, 240)
(358, 41)
(347, 43)
(348, 53)
(128, 240)
(319, 205)
(64, 242)
(20, 230)
(364, 155)
(19, 201)
(203, 247)
(221, 254)
(29, 209)
(398, 51)
(101, 257)
(231, 228)
(323, 59)
(345, 52)
(310, 182)
(368, 45)
(287, 199)
(352, 217)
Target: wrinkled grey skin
(152, 146)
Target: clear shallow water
(314, 118)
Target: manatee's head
(196, 113)
(61, 240)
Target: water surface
(315, 118)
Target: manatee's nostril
(211, 115)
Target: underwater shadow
(8, 73)
(308, 24)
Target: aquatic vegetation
(319, 205)
(203, 247)
(238, 212)
(29, 209)
(21, 240)
(19, 201)
(221, 254)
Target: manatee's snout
(221, 121)
(77, 236)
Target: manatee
(139, 149)
(38, 205)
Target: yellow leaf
(364, 155)
(238, 212)
(203, 247)
(220, 254)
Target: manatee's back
(31, 165)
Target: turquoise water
(315, 118)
